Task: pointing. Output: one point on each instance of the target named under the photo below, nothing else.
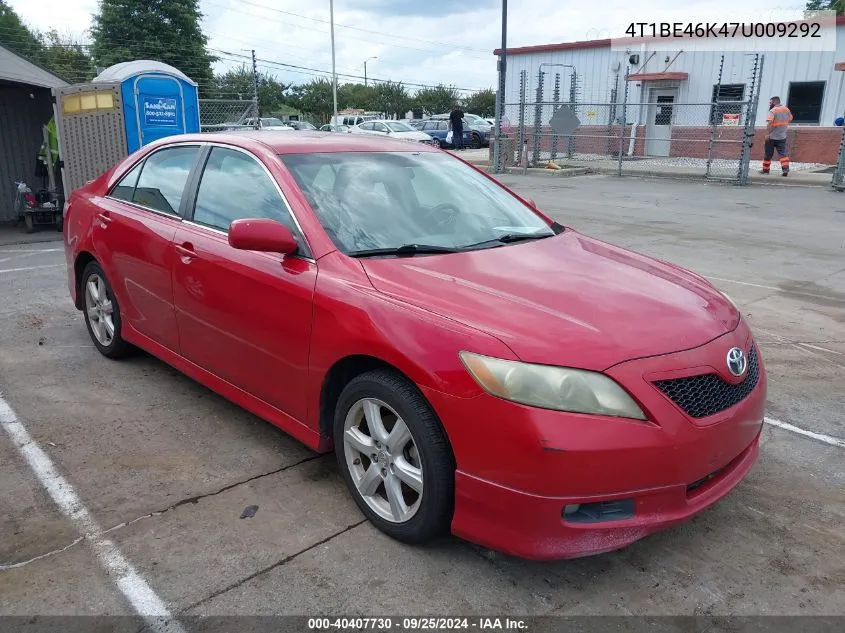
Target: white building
(810, 83)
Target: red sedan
(474, 365)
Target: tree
(827, 5)
(237, 83)
(356, 96)
(482, 103)
(391, 99)
(67, 57)
(163, 30)
(436, 100)
(315, 97)
(14, 34)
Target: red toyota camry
(475, 366)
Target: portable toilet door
(159, 107)
(158, 101)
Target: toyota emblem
(737, 362)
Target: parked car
(267, 123)
(475, 365)
(328, 127)
(352, 119)
(301, 125)
(439, 130)
(478, 126)
(394, 129)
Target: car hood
(566, 300)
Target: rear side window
(125, 189)
(163, 179)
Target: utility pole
(500, 95)
(334, 72)
(365, 69)
(255, 84)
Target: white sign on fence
(730, 119)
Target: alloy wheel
(383, 460)
(100, 309)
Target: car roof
(300, 142)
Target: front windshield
(398, 126)
(385, 200)
(474, 118)
(271, 122)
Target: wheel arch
(83, 258)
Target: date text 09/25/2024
(409, 624)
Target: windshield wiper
(509, 238)
(405, 250)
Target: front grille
(708, 394)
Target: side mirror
(263, 235)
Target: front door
(133, 237)
(661, 112)
(242, 315)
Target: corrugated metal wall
(21, 118)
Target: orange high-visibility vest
(779, 116)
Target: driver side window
(235, 186)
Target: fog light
(572, 508)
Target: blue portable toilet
(158, 100)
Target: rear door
(242, 315)
(133, 239)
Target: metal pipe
(500, 96)
(334, 69)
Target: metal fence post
(538, 115)
(523, 78)
(611, 116)
(573, 90)
(714, 115)
(751, 119)
(556, 101)
(623, 121)
(838, 180)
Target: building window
(722, 93)
(805, 101)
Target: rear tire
(102, 313)
(476, 141)
(372, 458)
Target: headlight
(558, 388)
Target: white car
(268, 123)
(394, 129)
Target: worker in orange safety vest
(777, 123)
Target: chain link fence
(654, 134)
(218, 115)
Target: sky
(422, 42)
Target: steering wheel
(444, 213)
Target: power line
(355, 28)
(361, 39)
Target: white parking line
(764, 287)
(140, 595)
(18, 270)
(30, 250)
(821, 437)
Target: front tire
(395, 457)
(102, 313)
(476, 141)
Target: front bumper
(518, 467)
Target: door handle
(186, 251)
(104, 219)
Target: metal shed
(25, 106)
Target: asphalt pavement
(153, 471)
